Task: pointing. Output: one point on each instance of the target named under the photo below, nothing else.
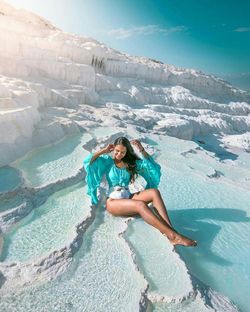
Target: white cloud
(123, 33)
(242, 29)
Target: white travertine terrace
(43, 67)
(54, 85)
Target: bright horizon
(210, 36)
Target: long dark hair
(130, 158)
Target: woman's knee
(155, 193)
(109, 206)
(140, 206)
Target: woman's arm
(144, 153)
(109, 148)
(141, 149)
(95, 165)
(147, 167)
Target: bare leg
(125, 207)
(160, 207)
(160, 217)
(154, 196)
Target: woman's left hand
(138, 144)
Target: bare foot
(182, 240)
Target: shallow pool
(10, 179)
(114, 266)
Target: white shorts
(119, 192)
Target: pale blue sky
(213, 36)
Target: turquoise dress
(104, 165)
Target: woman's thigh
(146, 195)
(122, 207)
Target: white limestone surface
(166, 273)
(166, 279)
(55, 85)
(43, 69)
(216, 213)
(50, 227)
(95, 280)
(51, 163)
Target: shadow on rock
(200, 224)
(212, 143)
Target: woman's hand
(138, 144)
(109, 148)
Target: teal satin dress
(147, 167)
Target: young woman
(121, 170)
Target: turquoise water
(165, 272)
(52, 163)
(102, 277)
(9, 179)
(216, 213)
(102, 273)
(10, 203)
(217, 216)
(49, 227)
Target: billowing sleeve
(150, 170)
(95, 172)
